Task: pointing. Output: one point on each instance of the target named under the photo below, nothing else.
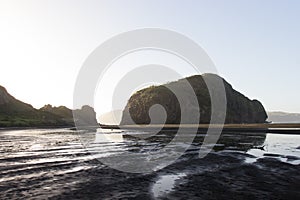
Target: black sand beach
(53, 164)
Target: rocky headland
(240, 109)
(15, 113)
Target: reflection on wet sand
(235, 141)
(113, 137)
(56, 164)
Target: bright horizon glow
(254, 44)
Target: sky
(254, 44)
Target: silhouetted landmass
(240, 109)
(63, 112)
(15, 113)
(86, 116)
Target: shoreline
(270, 128)
(36, 127)
(280, 128)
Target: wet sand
(282, 128)
(39, 164)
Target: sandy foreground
(54, 164)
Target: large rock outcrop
(86, 116)
(240, 109)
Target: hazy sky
(254, 44)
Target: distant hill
(283, 117)
(240, 109)
(62, 111)
(15, 113)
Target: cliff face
(4, 96)
(9, 105)
(240, 109)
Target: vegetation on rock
(240, 109)
(15, 113)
